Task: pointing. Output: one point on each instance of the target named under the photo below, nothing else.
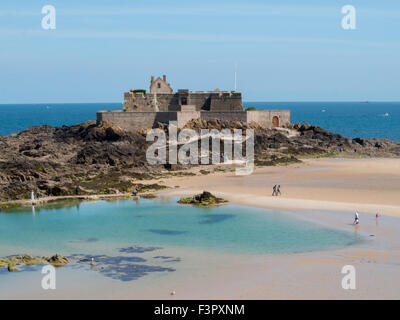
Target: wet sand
(367, 185)
(325, 191)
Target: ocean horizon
(368, 119)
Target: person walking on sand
(32, 196)
(274, 191)
(278, 190)
(37, 194)
(356, 218)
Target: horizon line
(246, 101)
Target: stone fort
(143, 110)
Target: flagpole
(235, 75)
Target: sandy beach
(323, 191)
(366, 185)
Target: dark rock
(205, 199)
(100, 158)
(57, 260)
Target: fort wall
(186, 116)
(203, 101)
(231, 101)
(225, 116)
(265, 118)
(136, 120)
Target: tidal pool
(122, 248)
(117, 227)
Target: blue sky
(285, 51)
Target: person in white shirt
(356, 218)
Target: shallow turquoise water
(102, 227)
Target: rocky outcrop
(57, 260)
(205, 199)
(13, 261)
(304, 140)
(62, 158)
(105, 158)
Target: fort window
(184, 101)
(159, 85)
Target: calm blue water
(18, 117)
(351, 119)
(103, 227)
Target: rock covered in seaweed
(57, 260)
(205, 199)
(13, 261)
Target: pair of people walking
(33, 195)
(276, 190)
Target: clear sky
(285, 51)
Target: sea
(350, 119)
